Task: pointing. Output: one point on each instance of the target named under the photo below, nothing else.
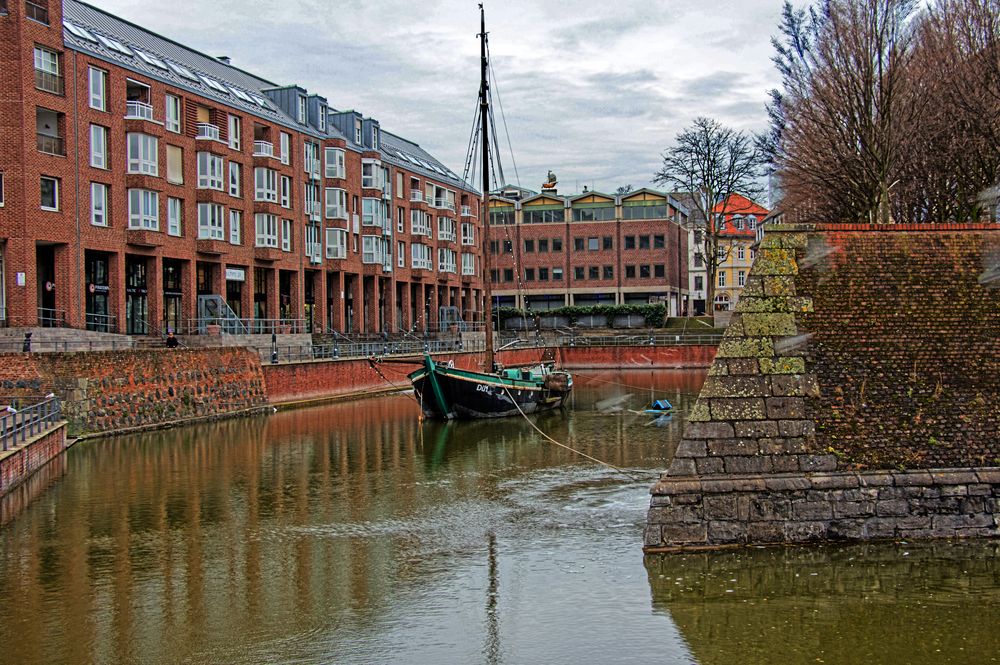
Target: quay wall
(105, 391)
(853, 395)
(18, 464)
(636, 357)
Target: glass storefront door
(136, 297)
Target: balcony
(143, 238)
(416, 196)
(51, 145)
(211, 246)
(207, 131)
(443, 204)
(312, 210)
(136, 110)
(36, 13)
(467, 211)
(267, 254)
(312, 169)
(263, 149)
(49, 82)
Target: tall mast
(484, 212)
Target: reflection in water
(929, 602)
(351, 533)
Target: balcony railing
(207, 131)
(263, 149)
(312, 209)
(466, 211)
(416, 195)
(36, 12)
(445, 204)
(138, 110)
(49, 82)
(51, 145)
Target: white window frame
(468, 263)
(446, 260)
(372, 250)
(265, 182)
(235, 179)
(303, 110)
(371, 180)
(286, 235)
(143, 209)
(143, 154)
(468, 234)
(420, 257)
(211, 169)
(1, 189)
(400, 254)
(373, 212)
(419, 226)
(721, 279)
(286, 191)
(97, 80)
(175, 217)
(99, 195)
(741, 278)
(285, 147)
(336, 244)
(741, 253)
(446, 228)
(335, 163)
(211, 221)
(235, 227)
(235, 127)
(99, 147)
(56, 186)
(336, 203)
(172, 114)
(46, 60)
(266, 226)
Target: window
(543, 274)
(468, 263)
(209, 171)
(548, 215)
(286, 235)
(142, 154)
(609, 272)
(501, 216)
(606, 242)
(659, 242)
(1, 189)
(175, 209)
(98, 204)
(577, 272)
(557, 274)
(267, 230)
(741, 253)
(699, 261)
(644, 210)
(211, 223)
(508, 274)
(447, 260)
(529, 274)
(659, 271)
(752, 253)
(357, 130)
(285, 146)
(173, 116)
(302, 110)
(722, 279)
(286, 192)
(629, 242)
(593, 272)
(446, 228)
(593, 244)
(310, 158)
(143, 209)
(593, 213)
(578, 244)
(175, 165)
(738, 223)
(643, 242)
(699, 283)
(529, 245)
(334, 163)
(494, 247)
(557, 244)
(50, 193)
(469, 234)
(373, 212)
(375, 140)
(644, 272)
(400, 254)
(98, 79)
(265, 182)
(629, 272)
(322, 118)
(419, 224)
(336, 203)
(312, 201)
(420, 257)
(234, 179)
(235, 127)
(47, 75)
(336, 244)
(543, 245)
(371, 174)
(494, 275)
(99, 147)
(508, 247)
(752, 222)
(400, 220)
(235, 224)
(741, 278)
(721, 254)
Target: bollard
(336, 351)
(26, 348)
(274, 349)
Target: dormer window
(357, 131)
(302, 110)
(322, 118)
(374, 138)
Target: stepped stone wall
(851, 353)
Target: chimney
(223, 59)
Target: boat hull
(474, 395)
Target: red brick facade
(53, 262)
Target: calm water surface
(352, 534)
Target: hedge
(654, 315)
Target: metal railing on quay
(65, 346)
(638, 339)
(104, 323)
(51, 318)
(355, 349)
(17, 425)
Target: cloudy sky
(591, 89)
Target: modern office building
(145, 186)
(549, 250)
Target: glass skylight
(180, 70)
(80, 32)
(151, 59)
(115, 45)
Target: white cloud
(593, 90)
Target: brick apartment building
(146, 186)
(588, 249)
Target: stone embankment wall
(17, 464)
(853, 396)
(119, 390)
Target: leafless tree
(712, 161)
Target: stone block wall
(117, 390)
(850, 354)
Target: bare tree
(623, 190)
(712, 162)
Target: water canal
(350, 533)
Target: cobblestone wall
(869, 350)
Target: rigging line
(563, 445)
(373, 365)
(503, 118)
(470, 150)
(495, 151)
